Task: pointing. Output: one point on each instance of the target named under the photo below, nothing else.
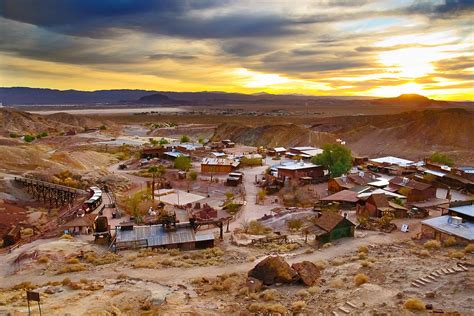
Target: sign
(33, 296)
(405, 228)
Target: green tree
(163, 141)
(182, 163)
(29, 138)
(441, 158)
(336, 158)
(153, 142)
(201, 140)
(191, 177)
(184, 139)
(133, 203)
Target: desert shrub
(469, 248)
(106, 259)
(365, 263)
(424, 253)
(327, 245)
(295, 224)
(321, 264)
(66, 236)
(43, 259)
(72, 268)
(66, 281)
(13, 135)
(456, 254)
(362, 255)
(298, 305)
(29, 138)
(72, 261)
(449, 242)
(257, 228)
(24, 286)
(270, 295)
(267, 308)
(303, 293)
(415, 304)
(337, 284)
(363, 249)
(360, 279)
(337, 261)
(313, 290)
(432, 244)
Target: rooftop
(155, 235)
(342, 196)
(297, 165)
(393, 161)
(219, 162)
(465, 209)
(464, 230)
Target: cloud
(171, 56)
(445, 10)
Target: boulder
(254, 285)
(307, 271)
(273, 270)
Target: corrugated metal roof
(465, 230)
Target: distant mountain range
(37, 96)
(18, 96)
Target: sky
(326, 47)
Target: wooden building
(348, 182)
(299, 169)
(82, 225)
(331, 226)
(378, 205)
(414, 191)
(218, 165)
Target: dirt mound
(12, 121)
(78, 121)
(271, 135)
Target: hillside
(414, 100)
(411, 134)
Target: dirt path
(342, 247)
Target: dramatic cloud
(369, 47)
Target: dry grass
(365, 263)
(267, 308)
(66, 236)
(303, 293)
(450, 242)
(415, 304)
(327, 245)
(469, 248)
(432, 244)
(298, 306)
(43, 259)
(24, 286)
(362, 255)
(321, 264)
(73, 261)
(72, 268)
(270, 295)
(424, 253)
(360, 279)
(363, 249)
(456, 254)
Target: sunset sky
(327, 47)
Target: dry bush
(72, 261)
(362, 255)
(432, 244)
(108, 258)
(365, 263)
(66, 236)
(450, 242)
(252, 258)
(415, 304)
(338, 261)
(298, 306)
(303, 293)
(313, 290)
(24, 286)
(321, 264)
(469, 248)
(360, 279)
(363, 249)
(270, 295)
(456, 254)
(43, 259)
(72, 268)
(66, 281)
(327, 245)
(257, 228)
(336, 283)
(267, 308)
(424, 253)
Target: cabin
(330, 226)
(276, 151)
(392, 165)
(377, 205)
(347, 198)
(234, 179)
(414, 191)
(305, 152)
(347, 182)
(299, 169)
(462, 209)
(218, 165)
(82, 225)
(152, 152)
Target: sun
(252, 79)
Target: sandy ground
(113, 111)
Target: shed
(333, 226)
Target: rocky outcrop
(308, 272)
(273, 270)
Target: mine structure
(50, 192)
